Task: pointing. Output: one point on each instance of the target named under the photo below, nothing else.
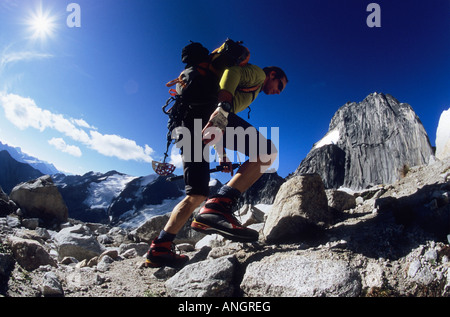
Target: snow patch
(347, 190)
(332, 137)
(148, 179)
(264, 208)
(136, 218)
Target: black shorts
(240, 136)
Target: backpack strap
(251, 90)
(202, 68)
(176, 81)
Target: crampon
(163, 168)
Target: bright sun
(41, 24)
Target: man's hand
(215, 128)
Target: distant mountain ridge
(121, 199)
(106, 197)
(17, 154)
(13, 172)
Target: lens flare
(41, 24)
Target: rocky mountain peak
(369, 143)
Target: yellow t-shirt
(238, 77)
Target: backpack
(198, 83)
(231, 53)
(193, 83)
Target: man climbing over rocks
(239, 86)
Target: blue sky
(89, 98)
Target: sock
(166, 237)
(229, 192)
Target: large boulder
(340, 200)
(78, 242)
(30, 254)
(210, 278)
(40, 198)
(294, 275)
(300, 207)
(51, 286)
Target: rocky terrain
(389, 240)
(366, 214)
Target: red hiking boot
(163, 254)
(217, 217)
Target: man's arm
(220, 115)
(225, 96)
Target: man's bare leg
(250, 172)
(182, 212)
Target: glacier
(101, 194)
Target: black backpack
(198, 83)
(231, 53)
